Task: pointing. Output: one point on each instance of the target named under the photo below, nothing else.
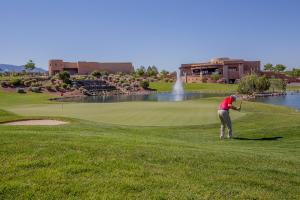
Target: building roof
(214, 62)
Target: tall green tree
(141, 71)
(268, 67)
(150, 71)
(296, 72)
(279, 68)
(29, 66)
(164, 73)
(154, 69)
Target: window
(232, 69)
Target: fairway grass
(98, 159)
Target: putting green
(132, 113)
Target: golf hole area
(36, 122)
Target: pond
(167, 96)
(292, 99)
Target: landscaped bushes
(65, 77)
(144, 84)
(277, 85)
(215, 77)
(15, 82)
(252, 83)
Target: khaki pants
(225, 121)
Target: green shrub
(96, 74)
(144, 84)
(64, 85)
(215, 77)
(262, 84)
(252, 83)
(247, 84)
(65, 77)
(15, 82)
(277, 84)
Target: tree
(29, 66)
(64, 76)
(296, 72)
(279, 68)
(141, 71)
(96, 74)
(164, 73)
(154, 69)
(268, 67)
(150, 71)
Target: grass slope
(90, 160)
(203, 87)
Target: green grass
(8, 99)
(203, 87)
(293, 87)
(132, 113)
(96, 159)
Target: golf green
(132, 113)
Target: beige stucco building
(84, 68)
(228, 69)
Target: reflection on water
(291, 100)
(140, 97)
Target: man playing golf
(224, 117)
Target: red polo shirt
(225, 103)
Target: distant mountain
(16, 68)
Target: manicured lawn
(95, 159)
(132, 113)
(13, 98)
(204, 87)
(293, 87)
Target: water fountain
(178, 91)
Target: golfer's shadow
(260, 139)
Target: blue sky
(164, 33)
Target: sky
(164, 33)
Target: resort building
(229, 70)
(84, 68)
